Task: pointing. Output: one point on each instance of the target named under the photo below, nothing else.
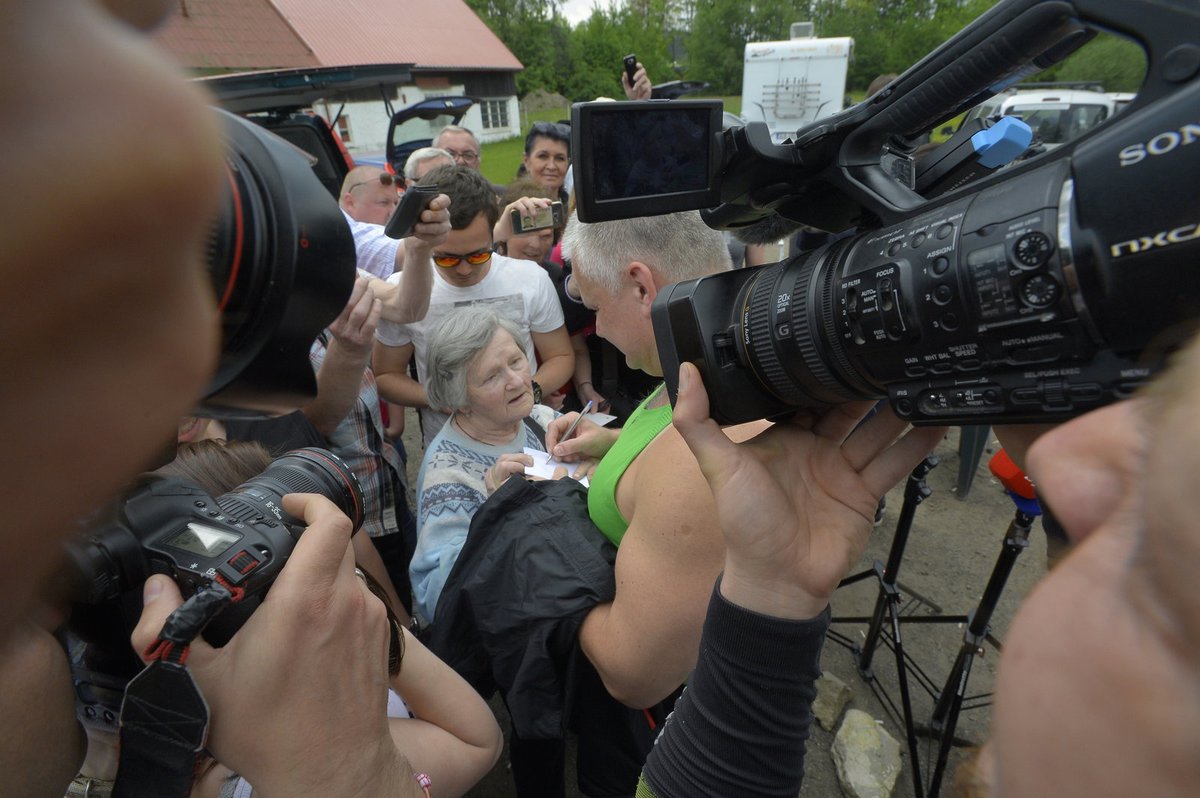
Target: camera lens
(282, 263)
(786, 335)
(309, 470)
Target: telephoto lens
(309, 470)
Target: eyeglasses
(384, 178)
(466, 156)
(476, 258)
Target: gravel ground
(951, 551)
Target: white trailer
(791, 83)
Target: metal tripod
(890, 606)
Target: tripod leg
(959, 676)
(915, 491)
(949, 703)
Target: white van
(1055, 115)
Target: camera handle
(164, 717)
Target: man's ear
(644, 283)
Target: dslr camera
(1034, 292)
(282, 262)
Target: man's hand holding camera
(796, 503)
(313, 636)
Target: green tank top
(642, 427)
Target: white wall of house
(364, 125)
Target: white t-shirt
(520, 289)
(376, 252)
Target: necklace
(458, 422)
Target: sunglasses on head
(384, 178)
(476, 258)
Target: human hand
(554, 400)
(640, 90)
(588, 393)
(589, 439)
(312, 657)
(433, 225)
(507, 465)
(354, 328)
(525, 206)
(796, 503)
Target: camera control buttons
(1040, 291)
(943, 294)
(1032, 250)
(918, 240)
(950, 322)
(941, 265)
(944, 231)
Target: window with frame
(494, 113)
(343, 128)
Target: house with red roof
(437, 47)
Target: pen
(571, 429)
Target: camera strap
(164, 717)
(164, 720)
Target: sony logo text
(1161, 144)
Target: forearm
(555, 371)
(372, 769)
(401, 389)
(338, 383)
(583, 362)
(410, 301)
(438, 695)
(740, 726)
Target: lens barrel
(309, 470)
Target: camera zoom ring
(760, 338)
(806, 341)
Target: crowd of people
(726, 544)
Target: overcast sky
(578, 10)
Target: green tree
(719, 32)
(598, 44)
(1117, 64)
(535, 32)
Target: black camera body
(1035, 293)
(241, 540)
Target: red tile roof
(232, 34)
(263, 34)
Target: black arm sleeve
(740, 726)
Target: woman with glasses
(548, 156)
(477, 371)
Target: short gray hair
(422, 155)
(458, 338)
(676, 247)
(455, 129)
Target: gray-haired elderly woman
(477, 371)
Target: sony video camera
(282, 262)
(1036, 292)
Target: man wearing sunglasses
(369, 196)
(467, 272)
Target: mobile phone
(408, 212)
(551, 216)
(630, 67)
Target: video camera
(282, 262)
(1035, 293)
